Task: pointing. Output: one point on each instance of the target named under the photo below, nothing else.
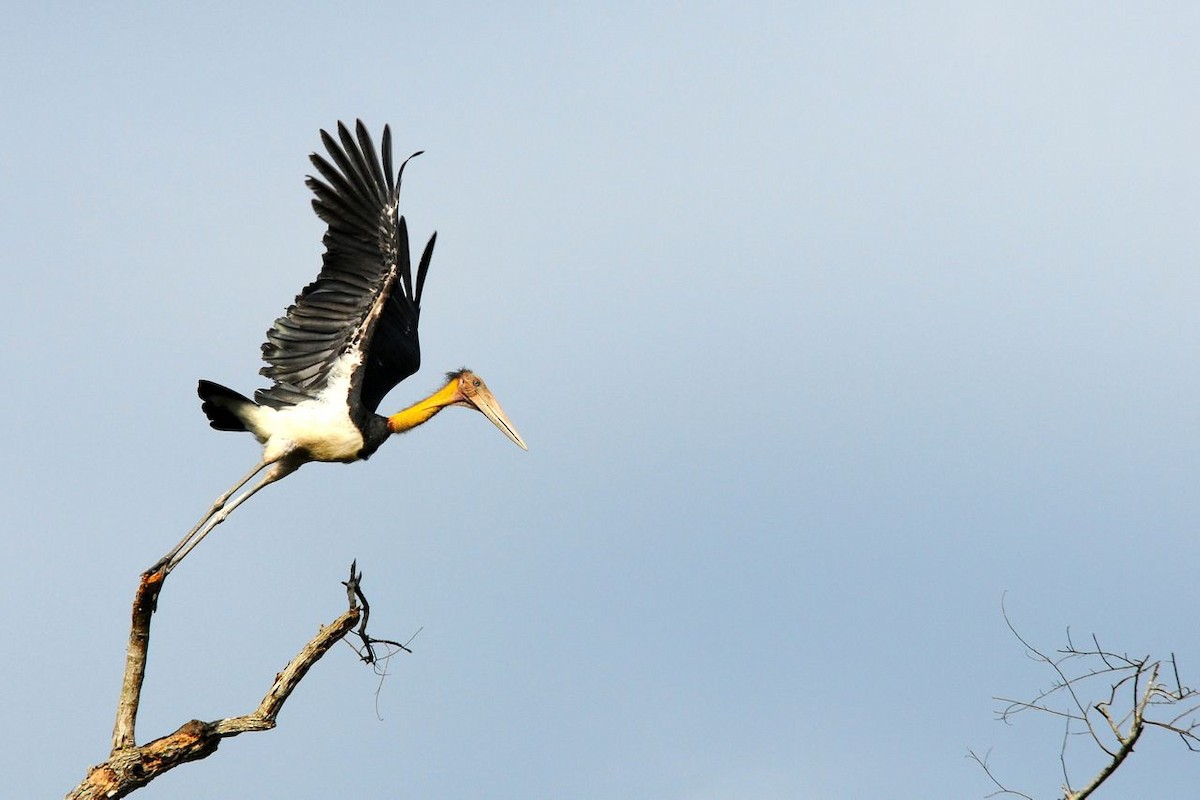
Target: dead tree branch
(145, 600)
(1131, 699)
(129, 766)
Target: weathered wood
(144, 602)
(130, 767)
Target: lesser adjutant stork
(349, 338)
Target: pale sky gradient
(826, 325)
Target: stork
(348, 339)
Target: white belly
(322, 429)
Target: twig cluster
(1108, 698)
(367, 652)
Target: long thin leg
(279, 469)
(216, 506)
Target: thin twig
(1001, 789)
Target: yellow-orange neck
(423, 410)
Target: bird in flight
(349, 338)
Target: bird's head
(471, 392)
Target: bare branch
(1133, 691)
(145, 600)
(263, 718)
(1108, 769)
(129, 766)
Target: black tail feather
(221, 406)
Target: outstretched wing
(358, 319)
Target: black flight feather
(364, 297)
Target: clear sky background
(827, 326)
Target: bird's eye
(477, 381)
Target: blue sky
(827, 326)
